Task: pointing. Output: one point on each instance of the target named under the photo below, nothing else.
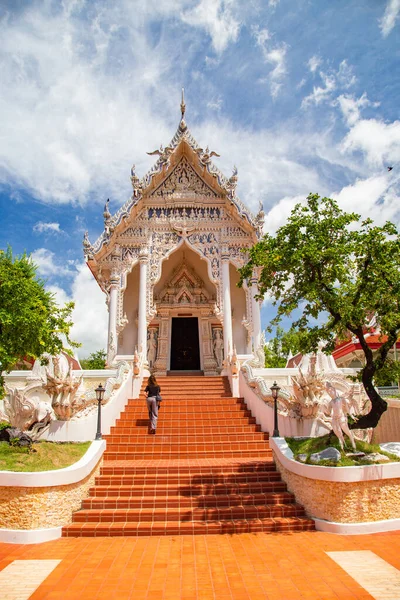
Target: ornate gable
(184, 182)
(183, 190)
(184, 287)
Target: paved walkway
(293, 566)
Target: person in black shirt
(153, 390)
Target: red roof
(374, 341)
(294, 361)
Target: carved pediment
(184, 181)
(184, 287)
(184, 281)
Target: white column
(142, 327)
(255, 309)
(112, 317)
(226, 295)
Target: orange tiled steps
(209, 469)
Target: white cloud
(217, 18)
(314, 63)
(319, 94)
(345, 75)
(350, 106)
(378, 141)
(86, 92)
(215, 103)
(343, 78)
(390, 17)
(261, 35)
(59, 293)
(42, 227)
(90, 315)
(270, 166)
(93, 119)
(279, 213)
(47, 266)
(374, 197)
(275, 88)
(212, 61)
(17, 196)
(89, 95)
(274, 55)
(82, 122)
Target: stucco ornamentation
(161, 245)
(24, 412)
(152, 343)
(208, 244)
(61, 386)
(183, 179)
(51, 393)
(307, 397)
(218, 344)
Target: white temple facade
(167, 262)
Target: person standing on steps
(153, 390)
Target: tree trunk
(378, 404)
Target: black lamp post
(275, 391)
(99, 397)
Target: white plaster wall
(84, 429)
(238, 303)
(131, 307)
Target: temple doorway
(185, 349)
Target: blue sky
(301, 95)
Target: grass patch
(310, 446)
(44, 456)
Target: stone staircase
(209, 469)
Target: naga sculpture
(307, 396)
(26, 413)
(62, 387)
(52, 392)
(308, 389)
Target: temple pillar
(256, 315)
(226, 295)
(112, 317)
(142, 319)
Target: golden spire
(182, 124)
(183, 105)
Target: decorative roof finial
(106, 213)
(183, 105)
(182, 124)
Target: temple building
(168, 260)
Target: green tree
(31, 323)
(274, 357)
(96, 360)
(278, 348)
(337, 269)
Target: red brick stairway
(209, 469)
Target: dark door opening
(185, 350)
